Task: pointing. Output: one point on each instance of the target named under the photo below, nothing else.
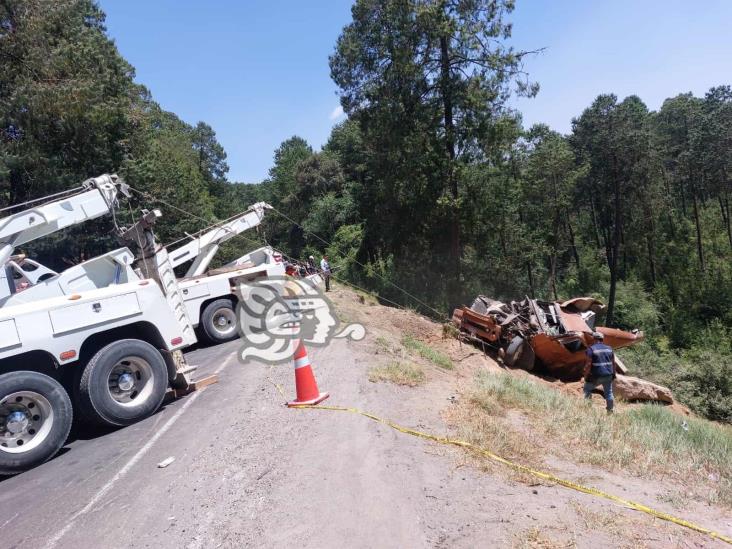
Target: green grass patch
(425, 351)
(646, 439)
(401, 373)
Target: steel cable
(78, 190)
(440, 315)
(405, 292)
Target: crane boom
(98, 197)
(97, 200)
(202, 248)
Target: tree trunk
(624, 270)
(553, 273)
(671, 225)
(699, 248)
(18, 189)
(650, 241)
(614, 258)
(651, 260)
(594, 222)
(529, 270)
(531, 279)
(452, 184)
(724, 207)
(572, 242)
(683, 197)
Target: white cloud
(336, 113)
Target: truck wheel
(218, 321)
(520, 354)
(123, 383)
(35, 419)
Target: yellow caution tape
(524, 469)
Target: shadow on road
(81, 431)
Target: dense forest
(432, 190)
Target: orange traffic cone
(307, 387)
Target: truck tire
(123, 383)
(218, 321)
(35, 419)
(520, 354)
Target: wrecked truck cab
(545, 335)
(563, 356)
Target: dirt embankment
(669, 461)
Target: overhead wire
(349, 283)
(353, 285)
(440, 315)
(405, 292)
(210, 223)
(41, 199)
(168, 204)
(379, 297)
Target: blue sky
(257, 72)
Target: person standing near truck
(325, 268)
(600, 369)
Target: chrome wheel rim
(26, 419)
(130, 382)
(224, 322)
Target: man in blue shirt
(600, 369)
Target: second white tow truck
(209, 294)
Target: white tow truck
(103, 335)
(209, 294)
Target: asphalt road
(100, 490)
(247, 471)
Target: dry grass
(401, 373)
(632, 531)
(409, 347)
(365, 298)
(496, 434)
(383, 344)
(647, 440)
(610, 522)
(450, 331)
(678, 499)
(427, 352)
(535, 539)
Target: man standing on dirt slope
(600, 369)
(325, 267)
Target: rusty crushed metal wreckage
(550, 338)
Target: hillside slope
(662, 457)
(249, 472)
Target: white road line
(15, 516)
(131, 463)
